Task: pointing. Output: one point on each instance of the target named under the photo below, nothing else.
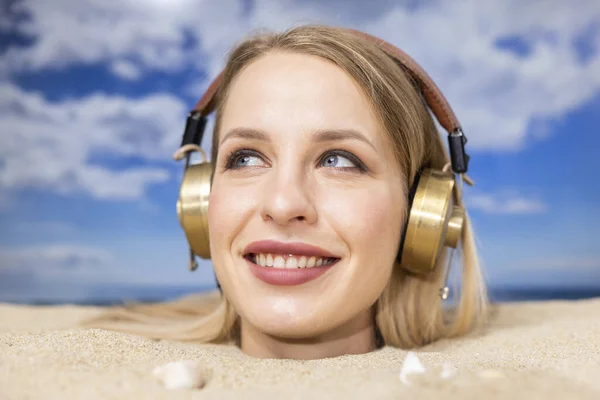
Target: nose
(287, 198)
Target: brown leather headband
(433, 96)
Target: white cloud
(496, 94)
(54, 261)
(130, 184)
(154, 34)
(125, 70)
(52, 145)
(505, 202)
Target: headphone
(435, 218)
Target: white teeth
(278, 262)
(302, 262)
(290, 261)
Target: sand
(532, 350)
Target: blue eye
(243, 158)
(247, 161)
(338, 159)
(342, 160)
(335, 160)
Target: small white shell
(411, 365)
(180, 375)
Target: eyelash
(234, 155)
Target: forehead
(289, 93)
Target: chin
(290, 318)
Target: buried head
(309, 193)
(304, 179)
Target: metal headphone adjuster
(456, 143)
(194, 128)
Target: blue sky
(93, 98)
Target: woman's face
(305, 176)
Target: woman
(319, 137)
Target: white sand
(546, 350)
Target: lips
(281, 275)
(295, 248)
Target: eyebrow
(320, 136)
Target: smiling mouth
(290, 269)
(289, 261)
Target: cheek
(219, 221)
(227, 213)
(370, 223)
(381, 224)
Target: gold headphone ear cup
(455, 227)
(192, 207)
(434, 222)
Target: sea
(120, 294)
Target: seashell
(180, 375)
(411, 366)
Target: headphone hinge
(458, 156)
(194, 128)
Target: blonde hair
(409, 312)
